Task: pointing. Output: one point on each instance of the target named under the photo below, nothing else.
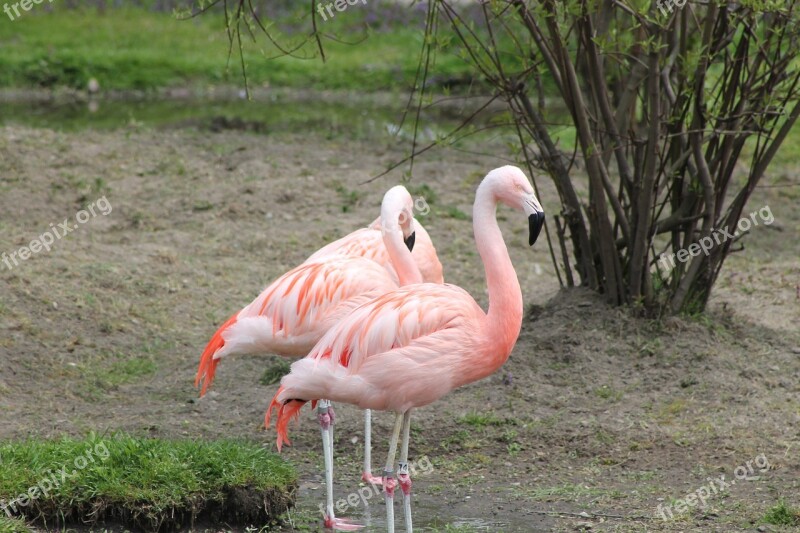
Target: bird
(290, 315)
(234, 336)
(407, 348)
(294, 311)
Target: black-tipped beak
(410, 241)
(535, 223)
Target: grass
(127, 370)
(607, 393)
(145, 483)
(782, 515)
(481, 420)
(348, 197)
(136, 49)
(423, 191)
(566, 492)
(107, 372)
(12, 525)
(273, 373)
(453, 212)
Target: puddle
(437, 511)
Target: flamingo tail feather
(208, 365)
(286, 412)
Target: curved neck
(400, 256)
(396, 209)
(504, 318)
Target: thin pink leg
(403, 476)
(366, 475)
(326, 417)
(404, 480)
(389, 483)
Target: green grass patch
(149, 484)
(131, 48)
(348, 197)
(607, 393)
(451, 211)
(481, 420)
(273, 373)
(13, 525)
(110, 371)
(128, 370)
(782, 515)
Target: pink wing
(403, 349)
(393, 320)
(291, 315)
(365, 242)
(308, 295)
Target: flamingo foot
(340, 524)
(367, 477)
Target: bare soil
(597, 418)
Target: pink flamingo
(409, 347)
(292, 314)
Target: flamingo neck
(504, 318)
(394, 215)
(400, 256)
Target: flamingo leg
(326, 418)
(367, 474)
(330, 431)
(403, 477)
(389, 483)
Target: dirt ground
(597, 419)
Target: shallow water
(431, 510)
(326, 115)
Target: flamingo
(293, 312)
(409, 347)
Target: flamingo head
(397, 214)
(513, 188)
